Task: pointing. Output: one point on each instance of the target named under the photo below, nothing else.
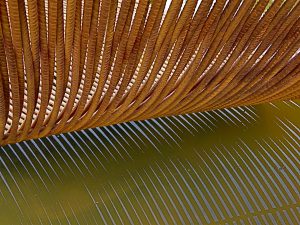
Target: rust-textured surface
(72, 64)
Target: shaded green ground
(216, 167)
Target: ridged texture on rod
(73, 64)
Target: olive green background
(231, 166)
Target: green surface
(235, 166)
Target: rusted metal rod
(67, 65)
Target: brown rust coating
(67, 65)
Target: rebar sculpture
(73, 64)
